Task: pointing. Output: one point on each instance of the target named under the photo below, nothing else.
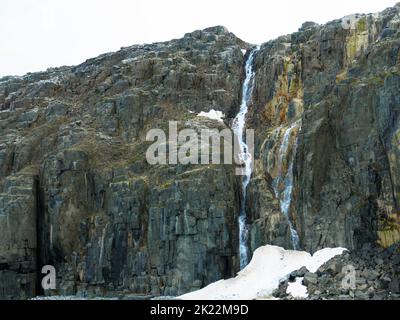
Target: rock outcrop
(371, 273)
(338, 84)
(78, 193)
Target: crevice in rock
(392, 188)
(40, 241)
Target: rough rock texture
(77, 192)
(72, 163)
(370, 273)
(333, 90)
(268, 224)
(18, 243)
(377, 274)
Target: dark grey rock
(310, 278)
(298, 273)
(55, 110)
(394, 286)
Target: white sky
(37, 34)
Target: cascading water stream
(244, 155)
(285, 195)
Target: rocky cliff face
(77, 192)
(326, 107)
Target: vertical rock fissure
(39, 238)
(392, 185)
(244, 156)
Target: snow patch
(244, 51)
(261, 277)
(54, 80)
(297, 289)
(130, 60)
(73, 298)
(212, 114)
(58, 298)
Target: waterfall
(285, 195)
(244, 155)
(102, 247)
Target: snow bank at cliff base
(261, 277)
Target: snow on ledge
(261, 277)
(212, 114)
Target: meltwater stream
(244, 155)
(286, 180)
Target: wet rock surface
(338, 85)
